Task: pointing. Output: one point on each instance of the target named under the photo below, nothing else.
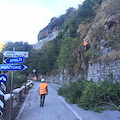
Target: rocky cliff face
(103, 34)
(54, 24)
(46, 39)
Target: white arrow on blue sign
(4, 67)
(14, 60)
(3, 78)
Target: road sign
(34, 70)
(14, 60)
(6, 67)
(3, 78)
(16, 54)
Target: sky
(21, 20)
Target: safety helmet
(42, 80)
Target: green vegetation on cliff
(66, 51)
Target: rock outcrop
(103, 34)
(54, 24)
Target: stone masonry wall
(17, 97)
(100, 71)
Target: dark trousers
(42, 99)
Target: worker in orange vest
(85, 43)
(35, 78)
(43, 90)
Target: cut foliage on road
(56, 108)
(93, 96)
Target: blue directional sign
(9, 67)
(14, 60)
(3, 78)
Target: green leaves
(18, 80)
(71, 92)
(19, 46)
(63, 58)
(90, 95)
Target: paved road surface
(57, 109)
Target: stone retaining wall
(61, 78)
(17, 97)
(100, 71)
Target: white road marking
(71, 109)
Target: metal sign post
(11, 92)
(11, 95)
(26, 78)
(14, 57)
(34, 70)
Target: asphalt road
(57, 109)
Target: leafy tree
(18, 80)
(63, 58)
(51, 51)
(86, 9)
(67, 46)
(43, 60)
(19, 46)
(99, 2)
(93, 96)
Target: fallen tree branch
(118, 108)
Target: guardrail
(17, 98)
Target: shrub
(94, 96)
(18, 81)
(89, 96)
(72, 92)
(100, 93)
(63, 90)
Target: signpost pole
(26, 79)
(14, 57)
(34, 70)
(11, 96)
(3, 60)
(11, 92)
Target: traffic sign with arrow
(3, 78)
(9, 67)
(16, 54)
(14, 60)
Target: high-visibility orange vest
(85, 43)
(35, 78)
(42, 88)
